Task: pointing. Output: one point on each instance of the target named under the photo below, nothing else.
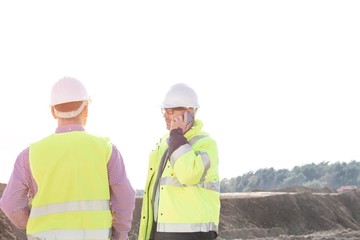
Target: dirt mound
(2, 187)
(298, 189)
(271, 214)
(300, 214)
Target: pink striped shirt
(22, 186)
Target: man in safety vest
(182, 192)
(70, 185)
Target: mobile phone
(190, 118)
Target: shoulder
(114, 148)
(23, 157)
(115, 153)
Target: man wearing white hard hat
(182, 191)
(71, 184)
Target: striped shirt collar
(69, 128)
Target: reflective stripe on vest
(98, 234)
(214, 186)
(187, 227)
(185, 148)
(76, 206)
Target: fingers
(178, 122)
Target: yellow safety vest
(189, 187)
(73, 198)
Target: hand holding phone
(184, 121)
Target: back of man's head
(68, 97)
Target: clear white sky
(278, 81)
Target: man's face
(171, 113)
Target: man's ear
(85, 111)
(53, 112)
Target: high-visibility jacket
(188, 189)
(73, 198)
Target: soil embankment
(297, 213)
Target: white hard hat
(180, 95)
(68, 89)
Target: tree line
(312, 175)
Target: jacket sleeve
(122, 196)
(191, 162)
(176, 140)
(15, 201)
